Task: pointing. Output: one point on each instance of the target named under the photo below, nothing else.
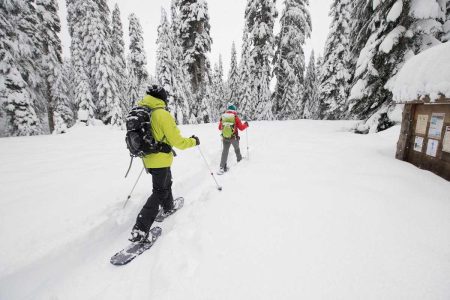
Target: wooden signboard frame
(437, 160)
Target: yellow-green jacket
(165, 130)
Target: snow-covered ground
(315, 213)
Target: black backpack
(139, 137)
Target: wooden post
(405, 131)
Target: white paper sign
(432, 147)
(436, 124)
(421, 125)
(446, 142)
(418, 144)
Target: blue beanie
(231, 107)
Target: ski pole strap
(129, 167)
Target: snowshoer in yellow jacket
(164, 129)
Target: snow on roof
(425, 74)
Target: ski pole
(137, 180)
(248, 152)
(207, 165)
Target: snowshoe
(135, 249)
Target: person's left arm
(241, 126)
(173, 135)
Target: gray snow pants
(226, 148)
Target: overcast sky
(227, 23)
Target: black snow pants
(161, 196)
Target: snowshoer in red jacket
(229, 125)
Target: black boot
(138, 236)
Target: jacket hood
(152, 102)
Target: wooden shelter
(423, 86)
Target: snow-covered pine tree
(311, 89)
(181, 89)
(259, 22)
(18, 76)
(446, 28)
(195, 39)
(220, 68)
(165, 65)
(429, 17)
(69, 76)
(245, 99)
(76, 10)
(218, 95)
(336, 71)
(233, 76)
(368, 94)
(83, 95)
(289, 60)
(361, 12)
(62, 113)
(101, 63)
(53, 85)
(118, 52)
(395, 31)
(137, 66)
(206, 113)
(31, 61)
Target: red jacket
(239, 125)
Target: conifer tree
(446, 28)
(100, 62)
(31, 49)
(336, 73)
(393, 32)
(289, 59)
(165, 66)
(17, 50)
(217, 90)
(76, 12)
(83, 95)
(181, 88)
(137, 66)
(311, 89)
(62, 113)
(118, 52)
(68, 76)
(233, 75)
(193, 30)
(247, 94)
(259, 22)
(195, 39)
(53, 86)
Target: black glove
(197, 141)
(246, 123)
